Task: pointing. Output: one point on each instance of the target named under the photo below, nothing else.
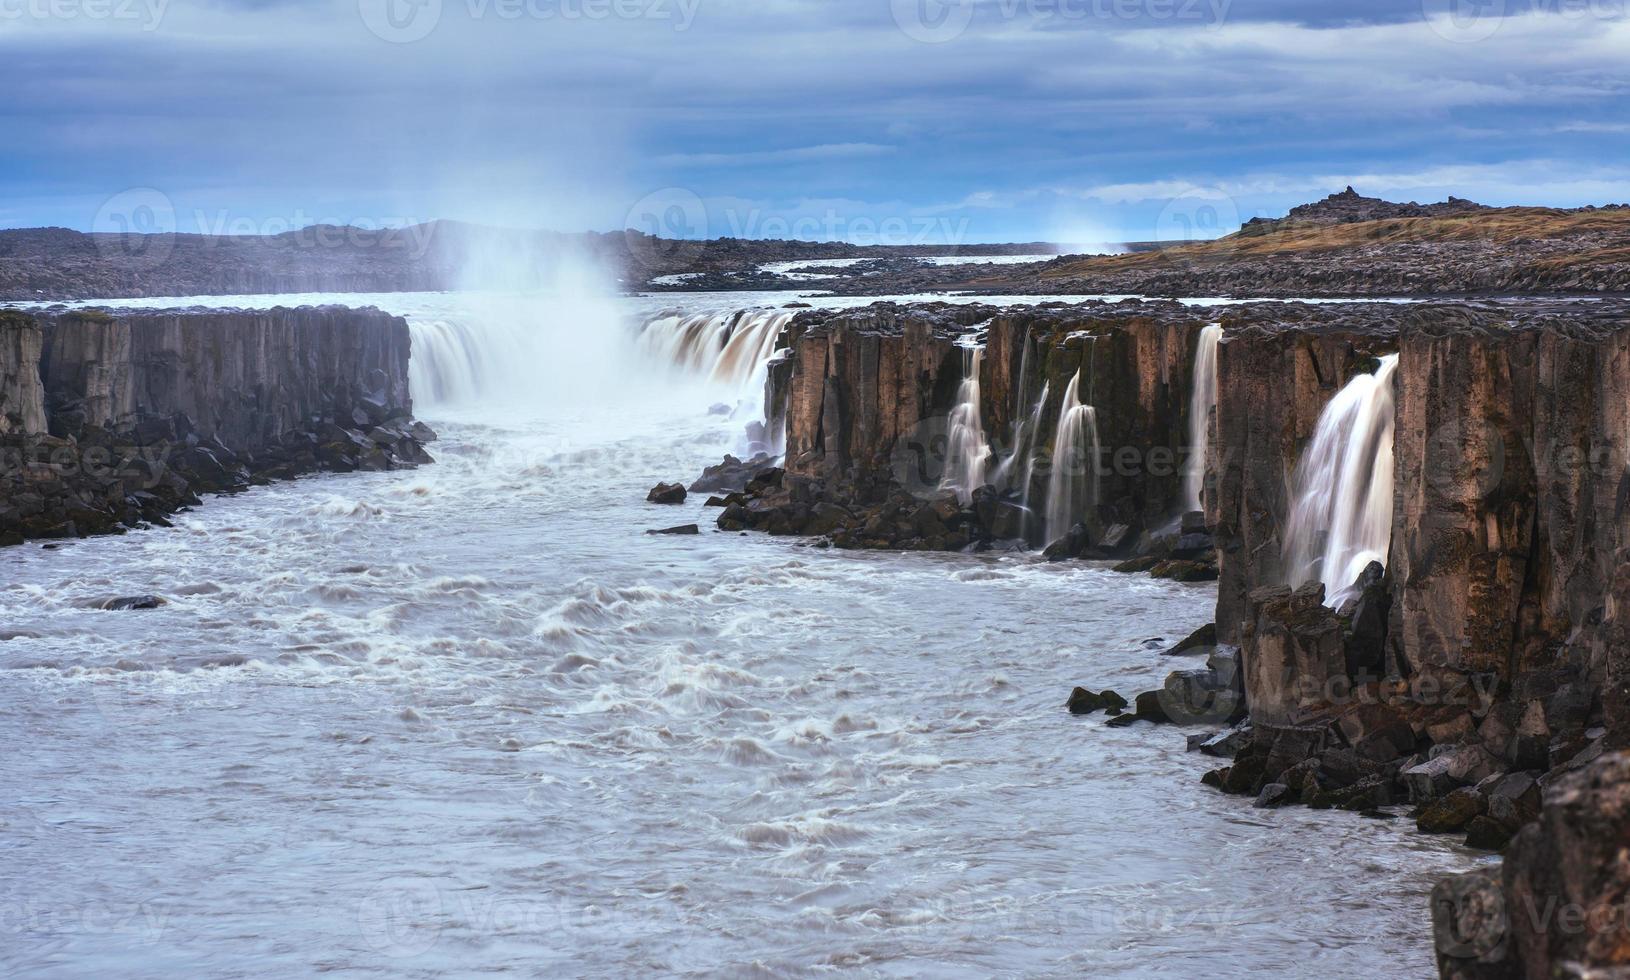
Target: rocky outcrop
(145, 411)
(1560, 906)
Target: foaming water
(1341, 515)
(1202, 402)
(1072, 488)
(470, 719)
(968, 452)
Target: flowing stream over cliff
(1202, 401)
(1072, 487)
(472, 720)
(1341, 518)
(967, 453)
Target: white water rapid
(967, 451)
(1341, 512)
(1072, 487)
(1202, 401)
(471, 720)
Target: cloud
(827, 151)
(1039, 115)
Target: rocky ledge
(109, 422)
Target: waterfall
(1073, 485)
(730, 351)
(1202, 399)
(1341, 513)
(539, 350)
(967, 452)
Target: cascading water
(1202, 400)
(1073, 484)
(525, 350)
(731, 351)
(968, 452)
(1341, 515)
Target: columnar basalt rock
(870, 393)
(22, 398)
(146, 410)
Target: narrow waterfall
(1341, 514)
(1202, 400)
(967, 451)
(1073, 484)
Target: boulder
(134, 602)
(1451, 813)
(666, 493)
(681, 529)
(1071, 545)
(1202, 640)
(1085, 702)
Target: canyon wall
(869, 396)
(124, 419)
(22, 398)
(245, 377)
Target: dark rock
(681, 529)
(135, 602)
(666, 493)
(1085, 702)
(1451, 813)
(1226, 744)
(1202, 640)
(1069, 546)
(1273, 795)
(1488, 834)
(1133, 566)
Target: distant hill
(60, 264)
(1337, 247)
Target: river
(471, 720)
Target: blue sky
(866, 120)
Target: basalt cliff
(1418, 517)
(114, 421)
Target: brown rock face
(1511, 465)
(871, 392)
(22, 399)
(1559, 906)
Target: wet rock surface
(143, 413)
